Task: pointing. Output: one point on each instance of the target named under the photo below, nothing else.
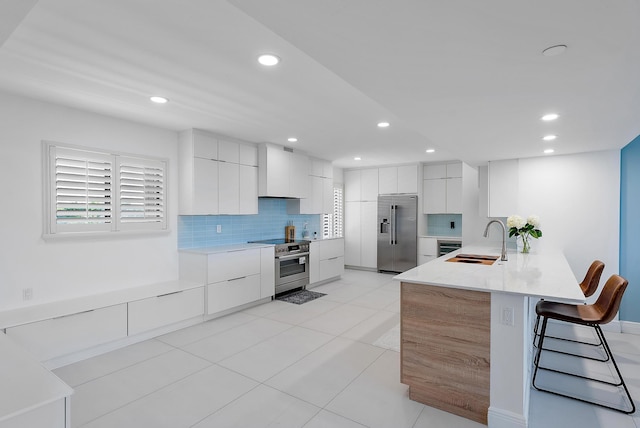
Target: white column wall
(61, 269)
(578, 200)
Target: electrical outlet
(219, 228)
(506, 316)
(27, 293)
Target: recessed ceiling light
(268, 59)
(554, 50)
(292, 139)
(159, 100)
(383, 124)
(549, 137)
(431, 150)
(548, 151)
(357, 158)
(550, 116)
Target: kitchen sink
(479, 259)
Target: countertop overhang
(546, 274)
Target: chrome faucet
(503, 256)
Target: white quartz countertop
(546, 274)
(26, 384)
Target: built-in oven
(292, 271)
(447, 246)
(291, 264)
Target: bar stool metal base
(607, 350)
(536, 335)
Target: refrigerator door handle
(391, 225)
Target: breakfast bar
(466, 329)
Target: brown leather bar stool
(601, 312)
(589, 286)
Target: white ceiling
(465, 77)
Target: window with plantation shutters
(332, 223)
(82, 190)
(89, 191)
(141, 193)
(338, 211)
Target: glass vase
(526, 247)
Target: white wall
(472, 222)
(578, 200)
(60, 269)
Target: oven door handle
(292, 256)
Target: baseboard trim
(630, 327)
(500, 418)
(360, 268)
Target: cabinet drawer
(154, 312)
(428, 246)
(422, 259)
(63, 335)
(229, 294)
(331, 248)
(331, 268)
(234, 264)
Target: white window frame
(333, 223)
(132, 189)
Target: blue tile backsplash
(440, 224)
(200, 230)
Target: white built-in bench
(49, 335)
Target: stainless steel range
(291, 262)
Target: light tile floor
(279, 364)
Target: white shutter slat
(82, 190)
(142, 193)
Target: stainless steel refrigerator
(397, 232)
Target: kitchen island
(466, 330)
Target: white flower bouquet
(518, 226)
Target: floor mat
(299, 297)
(390, 340)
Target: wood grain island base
(445, 348)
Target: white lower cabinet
(326, 259)
(59, 336)
(231, 293)
(232, 278)
(154, 312)
(267, 272)
(233, 264)
(427, 249)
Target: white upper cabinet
(248, 155)
(229, 189)
(361, 185)
(204, 145)
(283, 173)
(212, 174)
(228, 151)
(352, 187)
(204, 190)
(398, 179)
(198, 173)
(248, 203)
(299, 173)
(442, 189)
(319, 198)
(369, 184)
